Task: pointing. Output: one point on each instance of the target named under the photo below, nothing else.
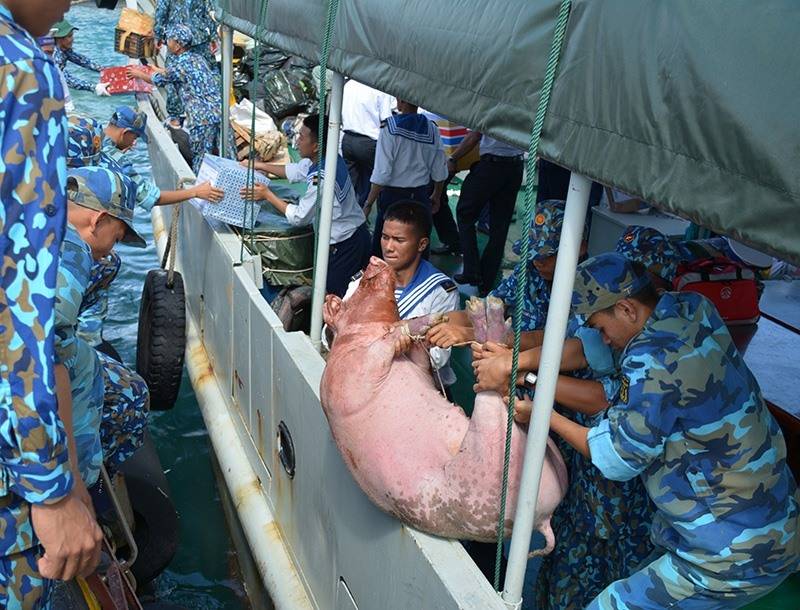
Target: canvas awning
(690, 105)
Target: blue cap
(180, 33)
(127, 118)
(650, 248)
(603, 280)
(85, 141)
(104, 190)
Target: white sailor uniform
(408, 158)
(429, 291)
(349, 241)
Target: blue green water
(200, 576)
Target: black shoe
(460, 278)
(445, 249)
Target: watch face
(530, 378)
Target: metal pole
(326, 213)
(549, 365)
(227, 83)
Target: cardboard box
(452, 135)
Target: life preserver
(161, 340)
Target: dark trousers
(496, 181)
(359, 154)
(347, 258)
(444, 223)
(390, 195)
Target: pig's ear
(331, 310)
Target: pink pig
(415, 454)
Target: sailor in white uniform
(350, 240)
(421, 288)
(409, 164)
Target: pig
(416, 455)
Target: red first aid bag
(731, 286)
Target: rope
(531, 187)
(171, 249)
(249, 208)
(322, 93)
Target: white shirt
(430, 291)
(347, 214)
(365, 108)
(409, 153)
(490, 146)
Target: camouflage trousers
(21, 587)
(175, 108)
(124, 418)
(670, 582)
(94, 306)
(203, 139)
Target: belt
(501, 159)
(357, 135)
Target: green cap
(104, 190)
(62, 29)
(603, 280)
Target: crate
(133, 35)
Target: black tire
(161, 338)
(156, 531)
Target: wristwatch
(530, 379)
(451, 159)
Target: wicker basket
(133, 34)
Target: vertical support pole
(326, 212)
(227, 84)
(550, 363)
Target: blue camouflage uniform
(110, 402)
(34, 464)
(691, 423)
(199, 89)
(61, 58)
(602, 527)
(89, 146)
(196, 15)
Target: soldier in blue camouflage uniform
(689, 421)
(90, 145)
(36, 486)
(196, 15)
(64, 53)
(109, 402)
(199, 88)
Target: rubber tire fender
(161, 340)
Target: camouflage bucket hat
(101, 189)
(84, 143)
(181, 33)
(603, 280)
(650, 248)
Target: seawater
(200, 575)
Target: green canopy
(692, 106)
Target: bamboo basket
(133, 34)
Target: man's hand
(492, 373)
(448, 334)
(436, 203)
(522, 410)
(70, 536)
(259, 192)
(490, 349)
(451, 167)
(208, 192)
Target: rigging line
(531, 187)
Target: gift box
(133, 35)
(118, 82)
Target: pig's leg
(476, 310)
(419, 326)
(495, 320)
(549, 538)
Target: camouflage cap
(603, 280)
(650, 248)
(181, 33)
(101, 189)
(545, 230)
(128, 118)
(84, 142)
